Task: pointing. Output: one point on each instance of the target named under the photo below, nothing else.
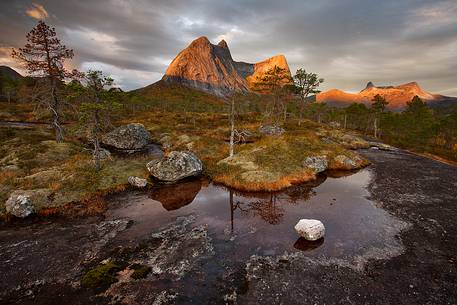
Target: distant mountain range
(397, 96)
(211, 68)
(8, 72)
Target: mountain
(211, 68)
(8, 72)
(397, 96)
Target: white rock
(137, 182)
(19, 205)
(310, 229)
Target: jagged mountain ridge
(211, 68)
(397, 96)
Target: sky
(347, 42)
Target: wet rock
(316, 163)
(19, 205)
(310, 229)
(176, 166)
(133, 136)
(271, 130)
(382, 146)
(137, 181)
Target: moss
(140, 271)
(101, 277)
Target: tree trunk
(232, 126)
(319, 118)
(345, 120)
(97, 153)
(375, 127)
(231, 210)
(54, 107)
(302, 105)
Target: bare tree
(43, 56)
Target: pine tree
(306, 84)
(43, 56)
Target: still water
(263, 223)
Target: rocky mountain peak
(223, 44)
(208, 67)
(370, 85)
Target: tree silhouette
(43, 56)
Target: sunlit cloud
(37, 11)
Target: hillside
(8, 72)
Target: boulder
(23, 203)
(271, 130)
(317, 163)
(310, 229)
(133, 136)
(175, 166)
(137, 181)
(19, 204)
(382, 146)
(104, 154)
(345, 162)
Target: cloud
(348, 42)
(37, 11)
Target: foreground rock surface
(133, 136)
(310, 229)
(175, 166)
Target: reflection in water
(263, 223)
(175, 196)
(307, 245)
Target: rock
(22, 203)
(317, 163)
(345, 162)
(177, 165)
(19, 205)
(104, 154)
(211, 68)
(133, 136)
(12, 167)
(271, 130)
(310, 229)
(382, 146)
(137, 181)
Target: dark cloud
(348, 42)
